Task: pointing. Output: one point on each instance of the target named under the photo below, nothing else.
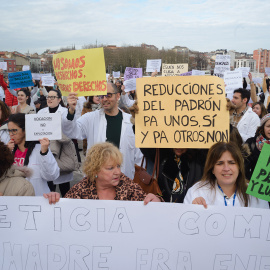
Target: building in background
(262, 58)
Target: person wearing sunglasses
(107, 124)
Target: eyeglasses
(13, 131)
(51, 97)
(109, 95)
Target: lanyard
(224, 196)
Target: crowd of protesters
(105, 124)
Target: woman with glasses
(63, 150)
(36, 155)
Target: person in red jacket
(10, 100)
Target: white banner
(3, 65)
(153, 65)
(38, 126)
(122, 235)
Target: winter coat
(13, 182)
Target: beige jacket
(13, 182)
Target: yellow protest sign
(174, 69)
(181, 112)
(81, 71)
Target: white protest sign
(46, 74)
(174, 69)
(25, 68)
(37, 76)
(107, 76)
(233, 81)
(258, 80)
(122, 235)
(267, 70)
(38, 126)
(222, 64)
(130, 85)
(3, 65)
(153, 65)
(47, 80)
(116, 74)
(244, 70)
(196, 72)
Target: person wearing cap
(256, 144)
(109, 124)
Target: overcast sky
(201, 25)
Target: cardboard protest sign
(20, 79)
(196, 72)
(189, 73)
(174, 69)
(47, 80)
(81, 71)
(116, 74)
(3, 65)
(259, 185)
(123, 235)
(130, 85)
(132, 73)
(185, 112)
(47, 125)
(153, 65)
(26, 67)
(233, 81)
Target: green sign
(259, 185)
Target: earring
(96, 176)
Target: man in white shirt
(243, 118)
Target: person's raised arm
(252, 88)
(72, 102)
(264, 86)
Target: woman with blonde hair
(104, 179)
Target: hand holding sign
(44, 145)
(72, 102)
